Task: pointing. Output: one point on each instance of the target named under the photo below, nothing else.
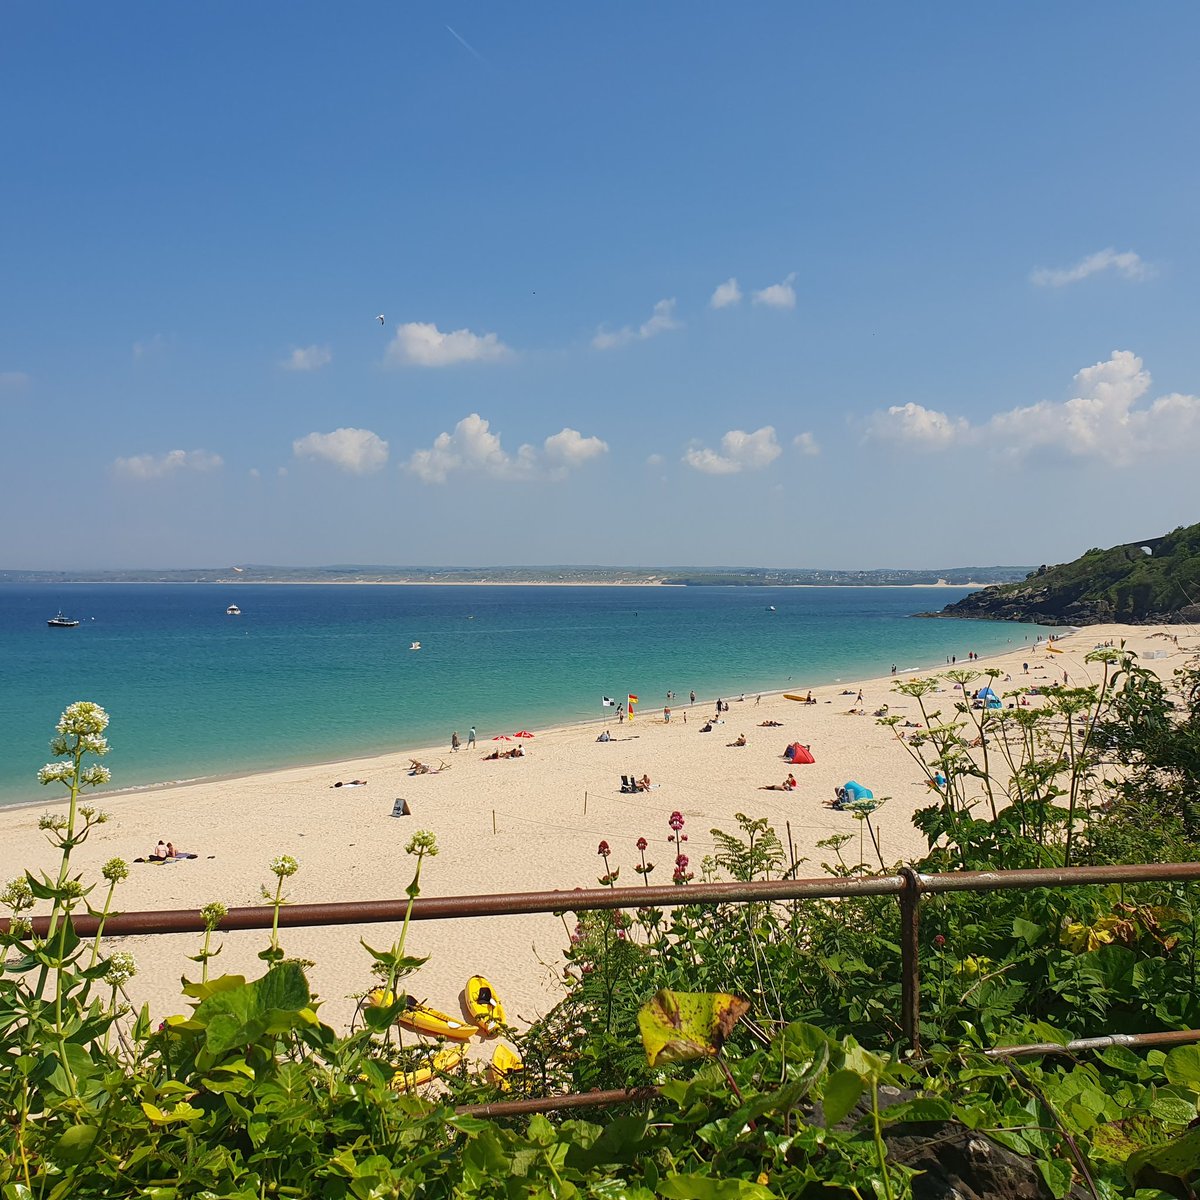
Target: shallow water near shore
(316, 673)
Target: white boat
(415, 646)
(61, 622)
(233, 611)
(770, 608)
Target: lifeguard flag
(632, 698)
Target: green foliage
(250, 1094)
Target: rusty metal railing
(908, 885)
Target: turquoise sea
(315, 673)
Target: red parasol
(523, 733)
(502, 737)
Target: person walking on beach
(667, 714)
(693, 696)
(454, 743)
(471, 738)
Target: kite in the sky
(380, 318)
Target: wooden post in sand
(585, 804)
(493, 822)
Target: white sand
(350, 848)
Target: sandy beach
(350, 848)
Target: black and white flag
(608, 703)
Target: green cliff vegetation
(1151, 582)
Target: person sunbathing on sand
(417, 768)
(770, 724)
(160, 851)
(788, 785)
(740, 740)
(643, 783)
(495, 754)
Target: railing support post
(910, 958)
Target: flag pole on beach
(631, 700)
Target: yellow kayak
(792, 696)
(484, 1005)
(420, 1018)
(505, 1062)
(442, 1062)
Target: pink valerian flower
(644, 868)
(676, 821)
(939, 941)
(603, 850)
(681, 873)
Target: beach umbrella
(523, 733)
(502, 737)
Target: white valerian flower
(115, 870)
(121, 969)
(94, 775)
(82, 718)
(58, 772)
(284, 865)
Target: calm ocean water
(312, 673)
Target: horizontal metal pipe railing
(615, 1096)
(438, 908)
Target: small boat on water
(233, 611)
(415, 646)
(770, 608)
(61, 622)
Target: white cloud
(654, 460)
(474, 448)
(740, 451)
(158, 466)
(570, 448)
(806, 443)
(1126, 264)
(254, 473)
(1105, 420)
(12, 382)
(307, 358)
(1101, 421)
(660, 320)
(917, 426)
(726, 294)
(420, 344)
(358, 451)
(778, 295)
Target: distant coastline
(519, 576)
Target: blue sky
(810, 285)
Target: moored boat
(61, 622)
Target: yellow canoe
(441, 1063)
(505, 1062)
(420, 1018)
(792, 696)
(1053, 650)
(484, 1005)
